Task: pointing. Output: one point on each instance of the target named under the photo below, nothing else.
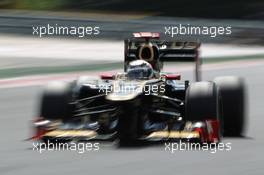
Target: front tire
(55, 101)
(202, 102)
(232, 91)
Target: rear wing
(164, 51)
(179, 51)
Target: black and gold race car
(143, 103)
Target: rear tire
(232, 90)
(55, 101)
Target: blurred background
(118, 19)
(27, 62)
(236, 9)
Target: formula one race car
(144, 103)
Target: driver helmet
(139, 70)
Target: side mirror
(107, 76)
(172, 77)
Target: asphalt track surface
(19, 105)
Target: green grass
(25, 71)
(232, 58)
(18, 72)
(40, 4)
